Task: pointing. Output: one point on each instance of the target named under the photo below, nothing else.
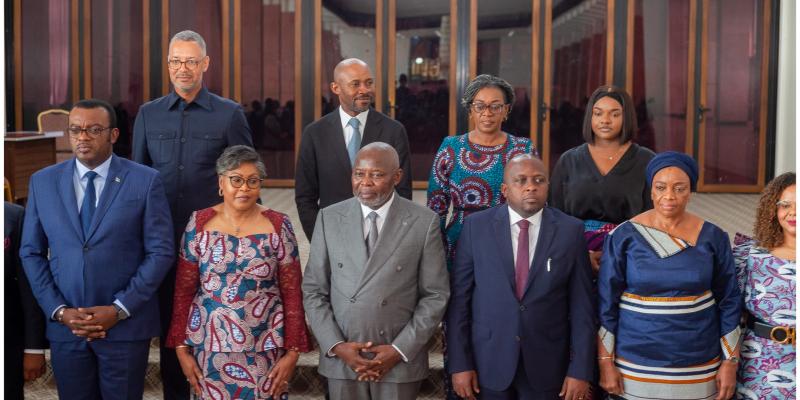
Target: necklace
(611, 157)
(236, 228)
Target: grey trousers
(348, 389)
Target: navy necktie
(89, 201)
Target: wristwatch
(60, 314)
(121, 314)
(733, 359)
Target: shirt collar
(535, 219)
(345, 117)
(382, 211)
(202, 99)
(101, 170)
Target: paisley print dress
(238, 303)
(768, 286)
(468, 177)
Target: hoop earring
(220, 192)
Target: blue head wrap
(673, 159)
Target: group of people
(594, 280)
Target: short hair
(190, 36)
(90, 104)
(767, 230)
(629, 124)
(483, 81)
(235, 156)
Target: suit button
(517, 338)
(352, 299)
(206, 136)
(340, 265)
(384, 302)
(381, 333)
(522, 308)
(180, 167)
(160, 136)
(85, 248)
(399, 267)
(183, 140)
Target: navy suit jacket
(127, 252)
(553, 327)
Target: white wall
(785, 143)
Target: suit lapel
(66, 189)
(335, 141)
(373, 128)
(116, 175)
(547, 231)
(398, 222)
(353, 234)
(502, 235)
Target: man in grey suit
(375, 286)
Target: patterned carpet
(731, 212)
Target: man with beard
(375, 286)
(329, 145)
(181, 135)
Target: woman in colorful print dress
(238, 323)
(668, 299)
(602, 182)
(468, 169)
(765, 268)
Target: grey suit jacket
(398, 296)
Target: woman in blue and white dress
(669, 302)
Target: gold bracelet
(180, 346)
(605, 358)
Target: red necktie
(522, 265)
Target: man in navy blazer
(520, 323)
(97, 241)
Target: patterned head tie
(673, 159)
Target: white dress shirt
(533, 232)
(347, 129)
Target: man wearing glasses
(181, 135)
(95, 245)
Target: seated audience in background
(238, 324)
(766, 269)
(669, 304)
(24, 322)
(96, 243)
(521, 322)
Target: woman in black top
(602, 181)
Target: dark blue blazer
(127, 252)
(553, 327)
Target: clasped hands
(90, 322)
(370, 362)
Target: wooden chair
(57, 120)
(7, 190)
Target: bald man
(375, 287)
(329, 145)
(520, 324)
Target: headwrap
(673, 159)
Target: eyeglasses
(481, 107)
(785, 205)
(237, 181)
(92, 130)
(175, 63)
(524, 180)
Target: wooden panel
(146, 50)
(237, 50)
(763, 118)
(164, 44)
(278, 183)
(631, 4)
(611, 8)
(547, 79)
(18, 64)
(378, 71)
(23, 159)
(535, 81)
(701, 136)
(226, 49)
(298, 89)
(391, 47)
(318, 61)
(87, 48)
(690, 87)
(451, 125)
(74, 49)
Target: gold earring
(220, 192)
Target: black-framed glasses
(237, 181)
(92, 130)
(175, 63)
(481, 107)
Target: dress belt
(778, 333)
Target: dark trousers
(100, 369)
(520, 389)
(174, 382)
(13, 379)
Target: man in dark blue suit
(520, 324)
(96, 243)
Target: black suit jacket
(23, 318)
(322, 176)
